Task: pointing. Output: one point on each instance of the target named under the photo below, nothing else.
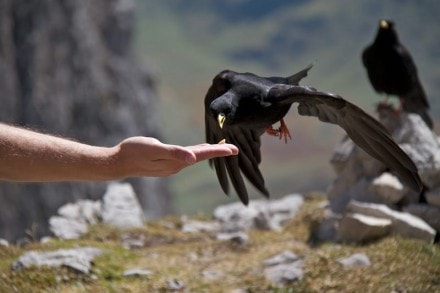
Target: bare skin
(28, 156)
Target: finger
(205, 152)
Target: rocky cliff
(68, 68)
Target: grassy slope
(399, 265)
(187, 47)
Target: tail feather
(416, 102)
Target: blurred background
(186, 43)
(100, 71)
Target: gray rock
(326, 229)
(284, 268)
(359, 228)
(237, 217)
(388, 188)
(423, 147)
(4, 242)
(65, 228)
(357, 171)
(194, 226)
(284, 209)
(74, 218)
(175, 285)
(79, 259)
(85, 209)
(120, 206)
(282, 258)
(137, 272)
(259, 214)
(355, 260)
(403, 224)
(430, 214)
(284, 274)
(46, 239)
(239, 238)
(433, 197)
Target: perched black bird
(240, 107)
(392, 71)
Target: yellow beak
(384, 24)
(221, 119)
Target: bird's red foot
(281, 132)
(385, 106)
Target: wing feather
(364, 130)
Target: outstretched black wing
(364, 130)
(247, 140)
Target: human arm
(29, 156)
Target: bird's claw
(282, 132)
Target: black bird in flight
(392, 71)
(240, 107)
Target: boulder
(361, 177)
(359, 228)
(259, 214)
(67, 228)
(430, 214)
(388, 188)
(120, 206)
(403, 224)
(84, 209)
(79, 259)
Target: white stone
(121, 207)
(84, 209)
(259, 214)
(430, 214)
(137, 272)
(65, 228)
(360, 228)
(388, 188)
(281, 258)
(194, 226)
(239, 238)
(79, 259)
(356, 169)
(403, 224)
(284, 274)
(355, 260)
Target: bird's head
(386, 32)
(223, 109)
